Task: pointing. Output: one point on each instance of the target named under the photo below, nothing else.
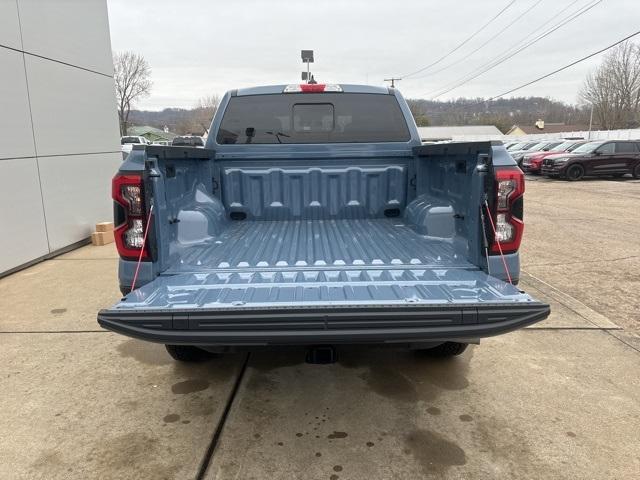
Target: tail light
(508, 210)
(130, 216)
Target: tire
(446, 349)
(188, 353)
(636, 171)
(575, 172)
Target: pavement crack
(559, 264)
(217, 434)
(81, 259)
(51, 331)
(596, 329)
(622, 341)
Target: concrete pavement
(94, 405)
(532, 404)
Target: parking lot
(557, 400)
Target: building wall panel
(24, 236)
(15, 119)
(76, 32)
(73, 111)
(9, 24)
(77, 193)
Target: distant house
(151, 133)
(545, 127)
(459, 132)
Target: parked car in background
(538, 147)
(516, 147)
(521, 148)
(532, 162)
(188, 141)
(605, 157)
(128, 141)
(133, 140)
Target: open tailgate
(344, 305)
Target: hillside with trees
(503, 112)
(182, 121)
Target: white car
(128, 141)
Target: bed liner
(360, 243)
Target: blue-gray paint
(316, 228)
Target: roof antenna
(307, 57)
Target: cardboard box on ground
(103, 234)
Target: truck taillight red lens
(508, 210)
(312, 88)
(128, 192)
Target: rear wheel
(188, 353)
(636, 171)
(575, 172)
(446, 349)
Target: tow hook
(321, 355)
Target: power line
(565, 67)
(507, 54)
(509, 25)
(463, 43)
(515, 49)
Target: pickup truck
(314, 216)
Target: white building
(460, 133)
(59, 142)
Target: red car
(532, 162)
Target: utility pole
(590, 122)
(392, 80)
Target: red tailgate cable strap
(144, 242)
(495, 235)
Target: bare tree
(418, 113)
(614, 88)
(204, 111)
(197, 120)
(132, 78)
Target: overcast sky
(198, 48)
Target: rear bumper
(322, 326)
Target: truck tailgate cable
(144, 242)
(493, 227)
(485, 240)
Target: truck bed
(343, 243)
(304, 248)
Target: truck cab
(315, 216)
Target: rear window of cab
(298, 118)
